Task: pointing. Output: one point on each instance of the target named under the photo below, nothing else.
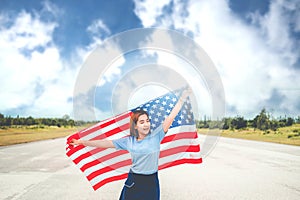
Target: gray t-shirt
(144, 153)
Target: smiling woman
(139, 124)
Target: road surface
(235, 169)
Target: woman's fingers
(73, 142)
(186, 92)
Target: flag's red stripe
(109, 168)
(175, 150)
(102, 136)
(110, 179)
(180, 161)
(74, 150)
(178, 136)
(105, 124)
(87, 154)
(103, 159)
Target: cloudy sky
(254, 45)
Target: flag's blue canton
(159, 108)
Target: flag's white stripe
(117, 172)
(124, 133)
(88, 149)
(178, 156)
(78, 153)
(178, 143)
(93, 157)
(183, 128)
(107, 163)
(118, 135)
(106, 129)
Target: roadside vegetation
(15, 130)
(264, 127)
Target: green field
(285, 135)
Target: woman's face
(143, 125)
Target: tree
(239, 122)
(227, 123)
(262, 121)
(29, 121)
(289, 121)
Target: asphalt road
(235, 169)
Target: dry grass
(286, 135)
(11, 136)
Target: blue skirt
(141, 186)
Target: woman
(144, 147)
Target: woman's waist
(143, 174)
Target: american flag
(179, 146)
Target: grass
(285, 135)
(10, 136)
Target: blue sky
(253, 44)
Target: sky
(254, 45)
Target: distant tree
(227, 123)
(30, 121)
(297, 120)
(290, 121)
(66, 117)
(274, 125)
(239, 122)
(262, 121)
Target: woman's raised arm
(169, 120)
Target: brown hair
(133, 120)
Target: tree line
(263, 121)
(8, 121)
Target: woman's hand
(75, 142)
(186, 92)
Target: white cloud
(51, 8)
(97, 27)
(102, 60)
(28, 32)
(147, 11)
(253, 59)
(33, 77)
